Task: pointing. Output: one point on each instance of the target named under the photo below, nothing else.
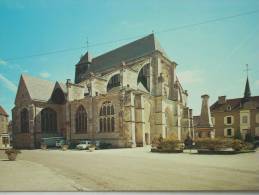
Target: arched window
(106, 116)
(81, 120)
(113, 82)
(101, 124)
(24, 121)
(48, 120)
(112, 124)
(143, 76)
(58, 96)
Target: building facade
(239, 116)
(125, 97)
(4, 136)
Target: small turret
(82, 67)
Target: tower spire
(247, 92)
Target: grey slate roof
(38, 89)
(236, 104)
(135, 49)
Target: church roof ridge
(157, 45)
(129, 51)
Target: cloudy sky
(211, 57)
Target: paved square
(128, 169)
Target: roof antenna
(247, 69)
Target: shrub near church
(222, 146)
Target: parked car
(104, 145)
(60, 143)
(83, 145)
(51, 141)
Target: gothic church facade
(124, 97)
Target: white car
(83, 145)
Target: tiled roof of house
(2, 111)
(234, 103)
(38, 89)
(125, 53)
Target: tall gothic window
(113, 82)
(81, 120)
(106, 122)
(48, 121)
(143, 76)
(24, 121)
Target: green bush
(212, 144)
(170, 143)
(249, 146)
(238, 145)
(155, 142)
(221, 143)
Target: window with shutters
(229, 120)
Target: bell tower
(82, 67)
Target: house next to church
(124, 97)
(4, 136)
(236, 116)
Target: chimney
(222, 99)
(205, 117)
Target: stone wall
(92, 106)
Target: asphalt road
(128, 170)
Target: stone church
(124, 97)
